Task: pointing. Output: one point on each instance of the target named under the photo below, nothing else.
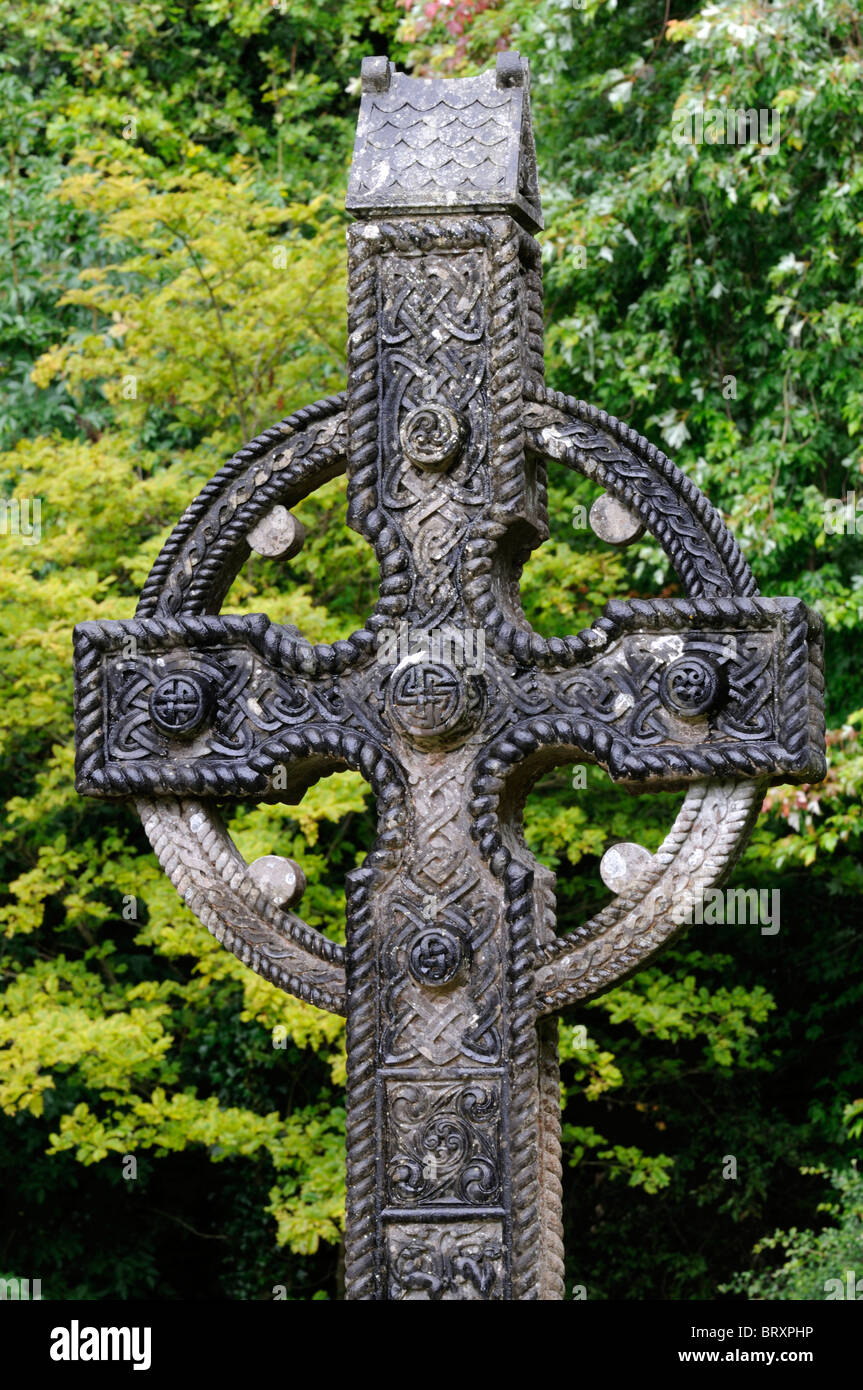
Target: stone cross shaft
(447, 701)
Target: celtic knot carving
(465, 1024)
(646, 685)
(223, 704)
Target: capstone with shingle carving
(425, 145)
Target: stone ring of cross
(452, 973)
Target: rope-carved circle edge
(194, 568)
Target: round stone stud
(278, 535)
(282, 880)
(432, 436)
(622, 864)
(613, 522)
(181, 704)
(690, 686)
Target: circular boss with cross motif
(181, 704)
(431, 703)
(436, 957)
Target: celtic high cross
(452, 973)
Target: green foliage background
(172, 246)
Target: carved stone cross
(448, 702)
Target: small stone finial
(376, 74)
(277, 535)
(614, 522)
(511, 70)
(281, 879)
(622, 864)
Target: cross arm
(227, 707)
(169, 709)
(669, 691)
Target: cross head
(452, 974)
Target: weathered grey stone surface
(452, 972)
(613, 522)
(439, 146)
(624, 863)
(277, 535)
(281, 879)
